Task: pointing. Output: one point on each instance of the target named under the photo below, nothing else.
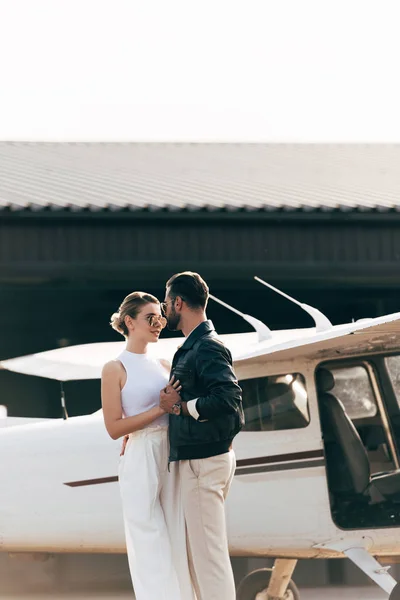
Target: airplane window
(353, 388)
(275, 402)
(393, 365)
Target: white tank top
(145, 377)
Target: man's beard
(173, 320)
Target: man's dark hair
(190, 287)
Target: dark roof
(207, 177)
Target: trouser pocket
(194, 465)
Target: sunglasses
(164, 305)
(155, 320)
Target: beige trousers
(205, 485)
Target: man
(204, 418)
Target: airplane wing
(367, 335)
(83, 361)
(86, 361)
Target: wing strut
(63, 403)
(322, 323)
(264, 332)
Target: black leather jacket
(204, 367)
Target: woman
(150, 492)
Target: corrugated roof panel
(97, 176)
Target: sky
(213, 70)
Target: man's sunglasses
(164, 305)
(155, 320)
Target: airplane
(318, 460)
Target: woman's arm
(116, 425)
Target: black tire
(395, 595)
(257, 581)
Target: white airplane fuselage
(59, 491)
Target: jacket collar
(197, 333)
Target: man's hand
(169, 396)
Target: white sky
(211, 70)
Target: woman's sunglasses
(155, 320)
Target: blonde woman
(150, 492)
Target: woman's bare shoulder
(113, 367)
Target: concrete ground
(324, 593)
(106, 577)
(340, 593)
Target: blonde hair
(130, 306)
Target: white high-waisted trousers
(153, 516)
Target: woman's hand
(124, 443)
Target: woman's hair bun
(131, 306)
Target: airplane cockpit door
(359, 416)
(389, 373)
(357, 387)
(280, 462)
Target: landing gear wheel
(395, 595)
(257, 581)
